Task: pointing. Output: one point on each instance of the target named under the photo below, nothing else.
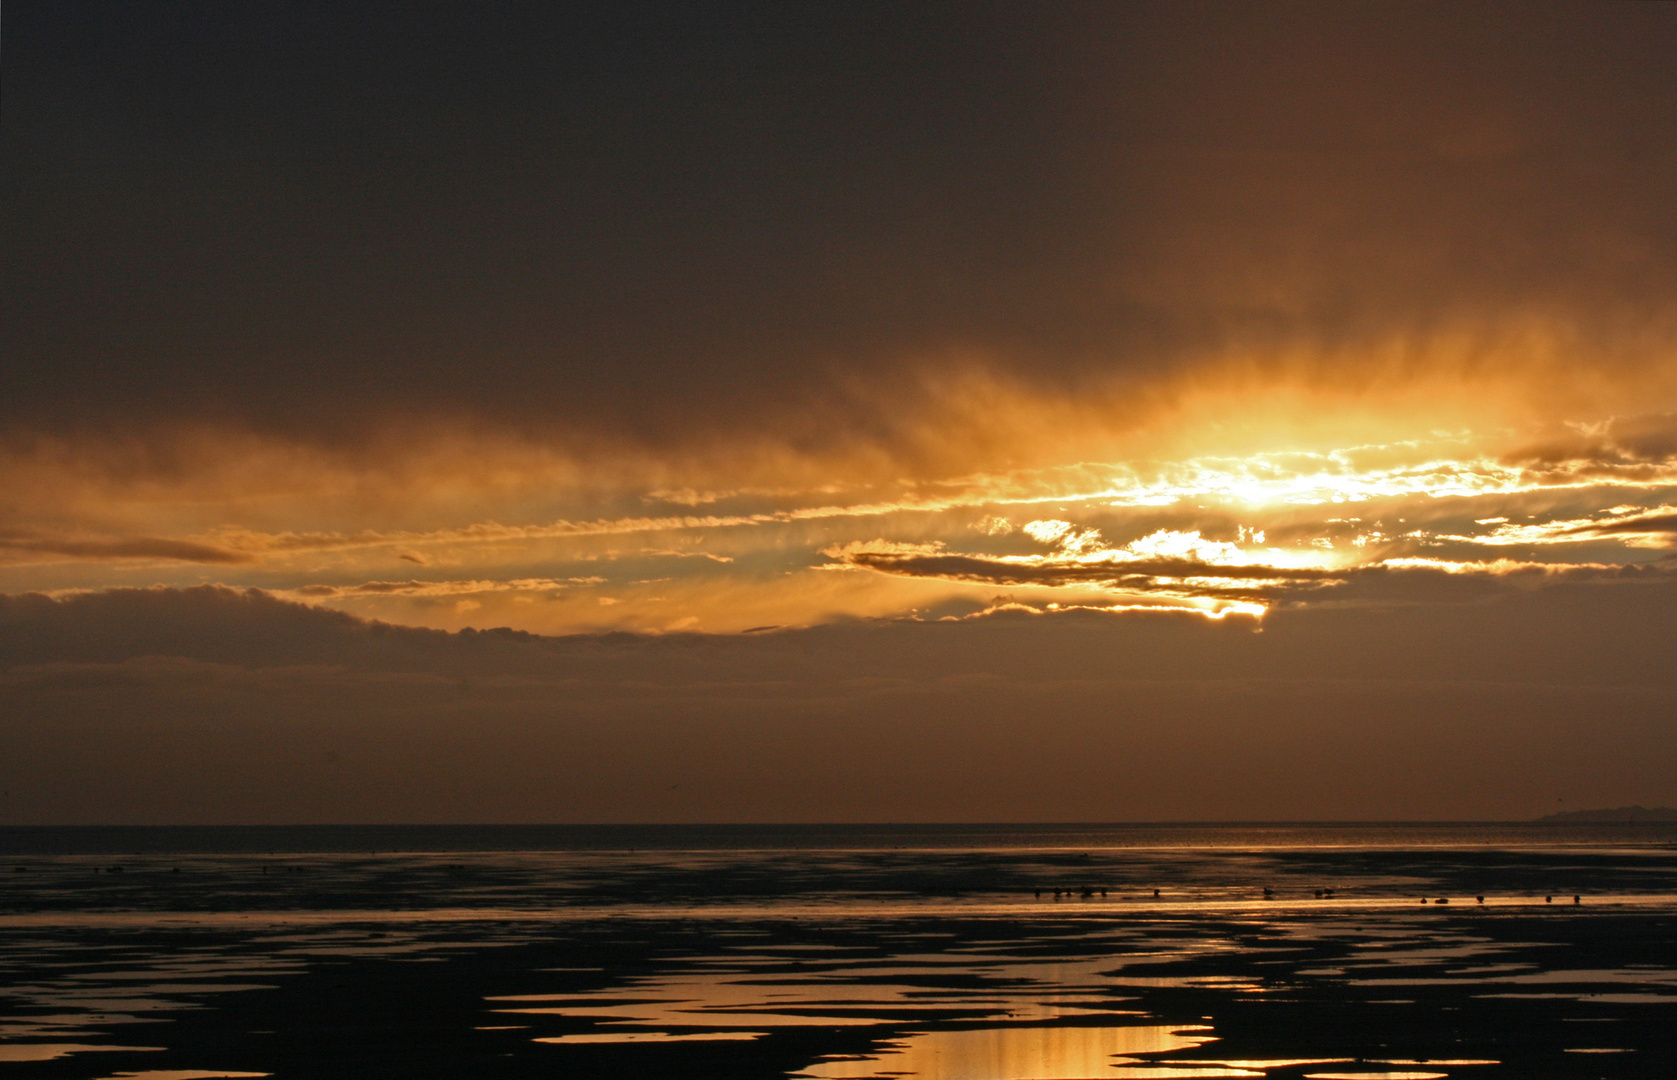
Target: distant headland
(1622, 815)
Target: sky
(837, 412)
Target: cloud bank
(212, 705)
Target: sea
(1407, 951)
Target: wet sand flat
(843, 964)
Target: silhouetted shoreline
(1623, 815)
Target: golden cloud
(1236, 481)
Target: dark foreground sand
(1557, 992)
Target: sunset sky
(865, 412)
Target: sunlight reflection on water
(1024, 1053)
(747, 992)
(17, 1052)
(654, 1036)
(183, 1074)
(1377, 1076)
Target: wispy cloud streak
(1632, 525)
(467, 587)
(106, 548)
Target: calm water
(943, 953)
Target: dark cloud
(216, 705)
(1616, 445)
(313, 215)
(1053, 571)
(1654, 524)
(1409, 582)
(210, 623)
(1520, 634)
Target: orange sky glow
(473, 530)
(1280, 395)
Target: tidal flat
(954, 962)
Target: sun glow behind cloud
(1289, 523)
